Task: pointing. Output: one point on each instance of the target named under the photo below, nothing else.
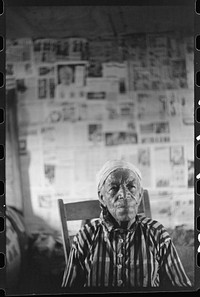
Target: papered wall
(102, 82)
(83, 101)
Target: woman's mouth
(121, 205)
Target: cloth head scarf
(111, 166)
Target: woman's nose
(122, 192)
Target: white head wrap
(111, 166)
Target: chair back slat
(82, 210)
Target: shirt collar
(111, 225)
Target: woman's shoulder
(151, 223)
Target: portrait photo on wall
(69, 77)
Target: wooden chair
(87, 210)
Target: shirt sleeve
(171, 269)
(74, 274)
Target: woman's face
(121, 194)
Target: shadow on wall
(45, 256)
(31, 244)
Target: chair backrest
(87, 210)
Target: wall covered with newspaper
(82, 102)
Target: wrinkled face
(121, 194)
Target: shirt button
(120, 255)
(119, 266)
(120, 240)
(120, 282)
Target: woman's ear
(101, 198)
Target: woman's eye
(131, 186)
(114, 188)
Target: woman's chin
(123, 215)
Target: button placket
(120, 261)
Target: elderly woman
(122, 249)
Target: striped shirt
(103, 255)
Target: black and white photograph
(95, 133)
(42, 88)
(100, 148)
(69, 77)
(94, 69)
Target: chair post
(64, 229)
(147, 206)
